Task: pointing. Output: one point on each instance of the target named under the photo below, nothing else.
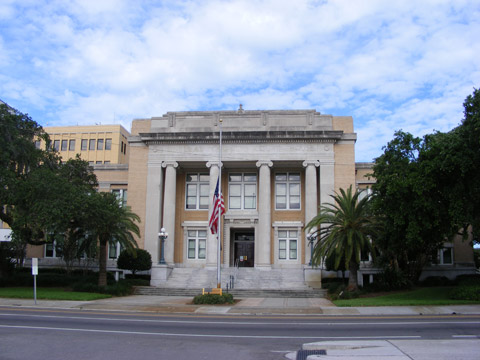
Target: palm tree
(111, 222)
(343, 229)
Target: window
(64, 145)
(91, 145)
(106, 162)
(121, 195)
(100, 144)
(287, 191)
(108, 144)
(37, 144)
(114, 249)
(98, 162)
(84, 145)
(197, 244)
(197, 191)
(56, 145)
(446, 256)
(287, 244)
(242, 191)
(53, 249)
(71, 145)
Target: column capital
(214, 163)
(174, 164)
(307, 163)
(264, 162)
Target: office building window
(37, 144)
(108, 144)
(91, 145)
(71, 145)
(446, 256)
(242, 191)
(53, 249)
(64, 145)
(197, 191)
(287, 244)
(56, 145)
(84, 145)
(121, 195)
(98, 162)
(197, 244)
(114, 249)
(100, 144)
(287, 191)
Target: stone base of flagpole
(159, 274)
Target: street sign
(34, 266)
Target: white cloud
(391, 65)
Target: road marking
(465, 336)
(243, 322)
(207, 335)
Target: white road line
(206, 335)
(466, 336)
(242, 322)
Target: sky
(391, 65)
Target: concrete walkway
(247, 306)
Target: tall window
(71, 145)
(100, 144)
(197, 244)
(287, 191)
(446, 256)
(91, 145)
(56, 145)
(84, 145)
(114, 249)
(108, 144)
(64, 145)
(53, 249)
(287, 244)
(37, 144)
(121, 195)
(242, 191)
(197, 191)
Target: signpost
(35, 273)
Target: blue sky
(390, 64)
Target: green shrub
(436, 281)
(471, 279)
(213, 299)
(466, 292)
(122, 288)
(390, 279)
(140, 260)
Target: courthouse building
(277, 168)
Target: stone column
(311, 206)
(212, 246)
(169, 208)
(263, 236)
(153, 214)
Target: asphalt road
(71, 334)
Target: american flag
(217, 202)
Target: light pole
(311, 238)
(162, 235)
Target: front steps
(249, 282)
(237, 293)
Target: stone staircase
(249, 282)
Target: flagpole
(219, 232)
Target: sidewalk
(245, 306)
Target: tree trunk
(102, 263)
(352, 278)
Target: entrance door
(244, 248)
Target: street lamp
(162, 235)
(311, 238)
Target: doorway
(244, 247)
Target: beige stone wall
(344, 166)
(462, 250)
(344, 123)
(137, 186)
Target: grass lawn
(421, 296)
(49, 294)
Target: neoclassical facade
(276, 168)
